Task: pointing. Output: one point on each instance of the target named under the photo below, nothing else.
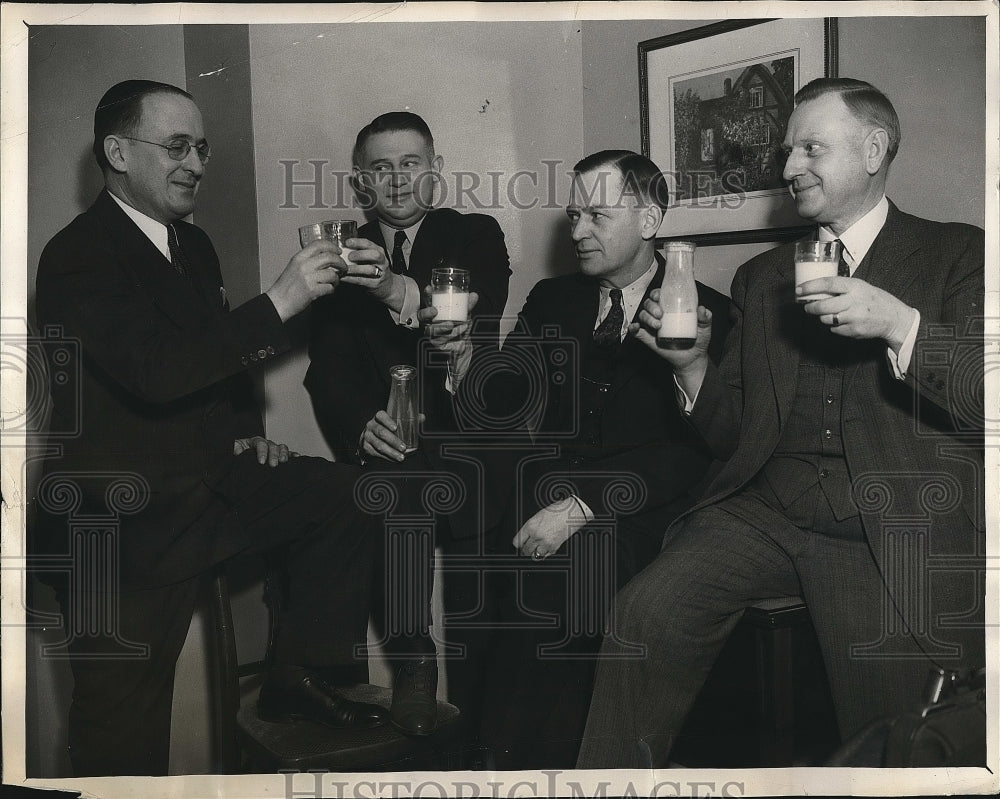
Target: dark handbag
(949, 729)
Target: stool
(773, 621)
(765, 702)
(305, 745)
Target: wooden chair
(245, 743)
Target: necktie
(177, 256)
(843, 270)
(610, 330)
(398, 264)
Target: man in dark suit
(371, 325)
(852, 432)
(171, 449)
(613, 463)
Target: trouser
(404, 575)
(120, 714)
(682, 608)
(552, 616)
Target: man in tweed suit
(852, 433)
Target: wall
(315, 86)
(930, 67)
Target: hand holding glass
(813, 260)
(337, 231)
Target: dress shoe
(309, 697)
(414, 697)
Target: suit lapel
(173, 294)
(884, 265)
(780, 319)
(429, 249)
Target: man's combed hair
(120, 111)
(866, 102)
(640, 176)
(391, 122)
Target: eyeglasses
(179, 149)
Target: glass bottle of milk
(678, 298)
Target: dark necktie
(610, 330)
(398, 264)
(843, 270)
(177, 256)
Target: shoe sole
(291, 718)
(413, 733)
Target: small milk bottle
(678, 298)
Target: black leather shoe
(414, 697)
(312, 698)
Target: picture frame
(714, 103)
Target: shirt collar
(858, 238)
(389, 235)
(632, 295)
(155, 231)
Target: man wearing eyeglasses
(166, 411)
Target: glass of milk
(813, 260)
(450, 294)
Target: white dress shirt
(632, 295)
(407, 315)
(155, 231)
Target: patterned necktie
(843, 270)
(610, 330)
(398, 264)
(177, 256)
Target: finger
(647, 320)
(262, 447)
(652, 309)
(704, 316)
(283, 453)
(383, 418)
(644, 337)
(383, 448)
(273, 455)
(473, 299)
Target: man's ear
(876, 150)
(113, 152)
(436, 163)
(652, 217)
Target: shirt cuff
(457, 368)
(900, 363)
(588, 514)
(407, 316)
(684, 403)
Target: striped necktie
(610, 330)
(177, 257)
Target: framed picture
(715, 102)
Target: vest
(808, 473)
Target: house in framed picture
(728, 127)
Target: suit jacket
(162, 392)
(913, 446)
(640, 431)
(354, 342)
